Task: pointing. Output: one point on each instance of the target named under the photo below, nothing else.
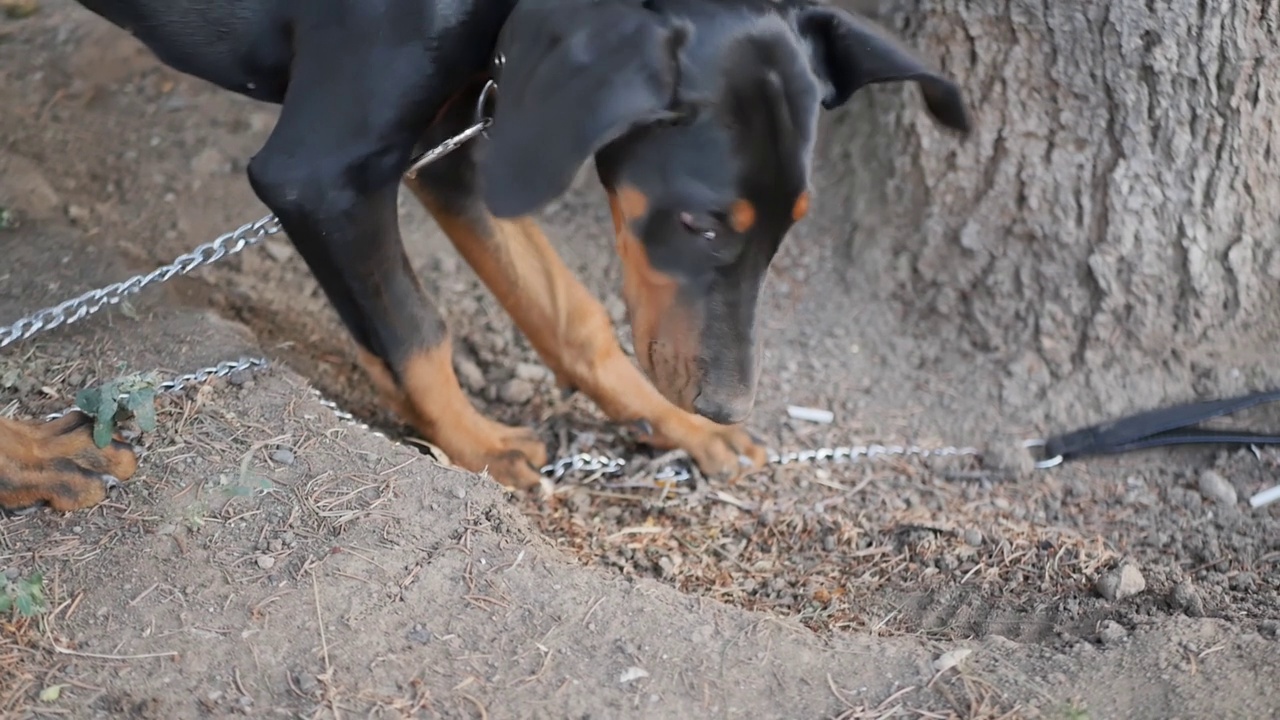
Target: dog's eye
(701, 225)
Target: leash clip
(1046, 463)
(1163, 427)
(483, 119)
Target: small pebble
(532, 372)
(419, 635)
(77, 214)
(469, 374)
(973, 536)
(516, 391)
(277, 250)
(1121, 583)
(631, 674)
(1111, 632)
(616, 308)
(266, 562)
(1244, 582)
(1216, 488)
(1186, 598)
(459, 492)
(275, 545)
(950, 659)
(307, 683)
(283, 455)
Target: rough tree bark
(1118, 203)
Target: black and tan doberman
(700, 116)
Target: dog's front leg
(330, 171)
(564, 322)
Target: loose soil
(271, 560)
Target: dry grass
(816, 543)
(21, 664)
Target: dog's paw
(512, 455)
(58, 464)
(720, 451)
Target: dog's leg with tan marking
(58, 464)
(430, 399)
(567, 326)
(331, 171)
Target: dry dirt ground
(271, 561)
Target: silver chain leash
(181, 382)
(232, 243)
(588, 463)
(82, 306)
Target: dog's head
(701, 117)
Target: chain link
(678, 472)
(181, 382)
(450, 144)
(82, 306)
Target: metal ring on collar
(484, 115)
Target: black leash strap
(1157, 428)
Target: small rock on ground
(469, 374)
(277, 250)
(1111, 632)
(1123, 582)
(1187, 598)
(1245, 582)
(516, 391)
(283, 455)
(1216, 488)
(532, 372)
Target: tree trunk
(1117, 204)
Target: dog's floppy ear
(850, 53)
(576, 75)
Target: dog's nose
(717, 408)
